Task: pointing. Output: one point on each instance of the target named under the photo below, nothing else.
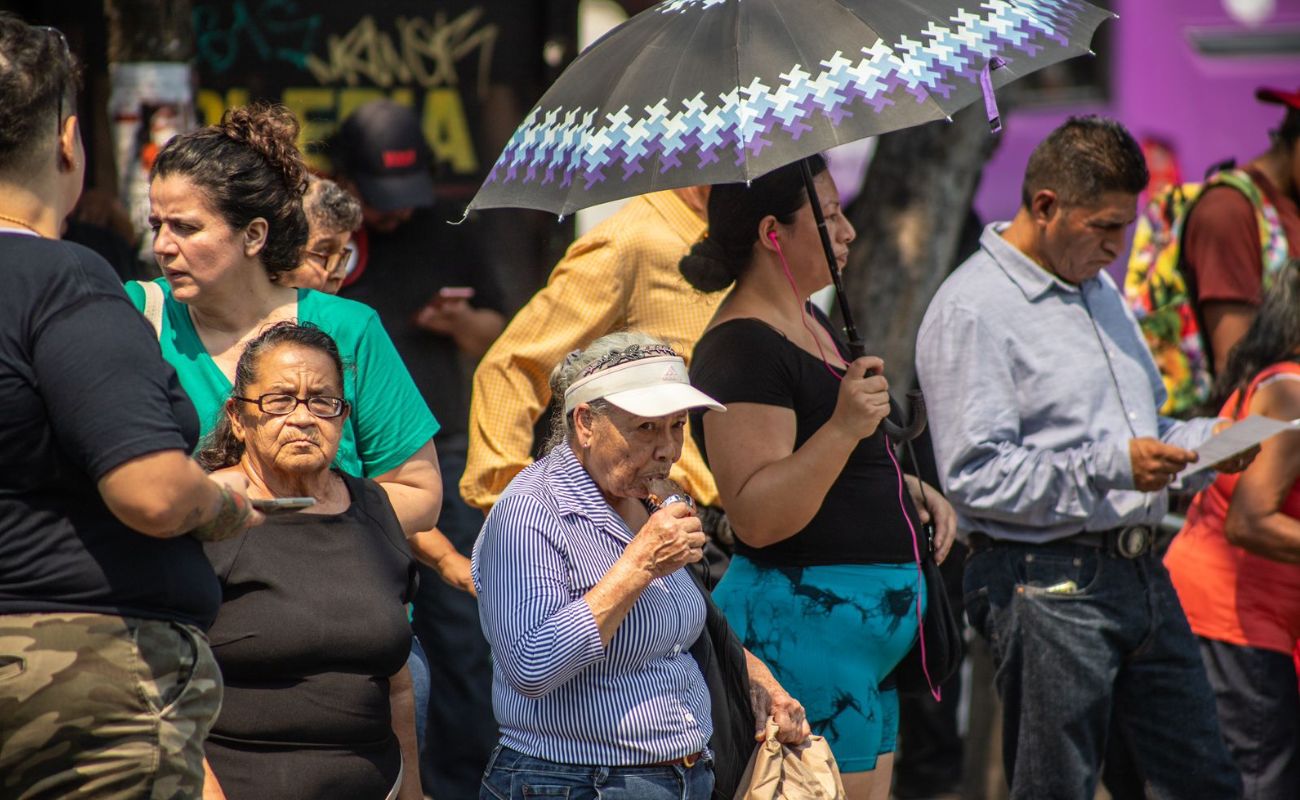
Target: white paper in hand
(1236, 439)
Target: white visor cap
(648, 387)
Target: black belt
(1130, 541)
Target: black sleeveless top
(860, 521)
(312, 624)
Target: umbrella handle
(914, 422)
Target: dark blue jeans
(1080, 637)
(511, 775)
(462, 729)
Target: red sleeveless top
(1228, 594)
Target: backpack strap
(1225, 174)
(153, 306)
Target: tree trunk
(915, 201)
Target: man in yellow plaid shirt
(622, 275)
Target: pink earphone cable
(803, 308)
(935, 691)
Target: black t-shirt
(403, 270)
(83, 390)
(860, 521)
(312, 624)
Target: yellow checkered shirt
(620, 276)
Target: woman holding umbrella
(824, 586)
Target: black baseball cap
(381, 148)
(1280, 96)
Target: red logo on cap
(396, 159)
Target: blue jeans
(420, 688)
(1079, 638)
(511, 775)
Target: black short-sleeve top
(84, 390)
(861, 520)
(312, 624)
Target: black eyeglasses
(328, 261)
(282, 405)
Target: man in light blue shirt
(1043, 404)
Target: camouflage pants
(96, 706)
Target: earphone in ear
(772, 235)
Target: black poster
(471, 68)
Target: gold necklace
(17, 221)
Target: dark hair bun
(271, 130)
(707, 268)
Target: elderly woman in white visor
(587, 603)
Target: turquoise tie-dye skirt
(830, 635)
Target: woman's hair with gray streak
(330, 206)
(607, 351)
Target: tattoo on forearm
(229, 521)
(190, 522)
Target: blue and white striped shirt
(557, 692)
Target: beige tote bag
(781, 772)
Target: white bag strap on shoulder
(153, 306)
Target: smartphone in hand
(282, 505)
(453, 293)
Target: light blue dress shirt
(559, 694)
(1034, 388)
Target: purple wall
(1161, 86)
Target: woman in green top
(226, 212)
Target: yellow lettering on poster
(320, 109)
(314, 108)
(212, 105)
(447, 130)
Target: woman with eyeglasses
(107, 683)
(312, 626)
(226, 208)
(332, 215)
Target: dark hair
(1272, 337)
(1288, 133)
(248, 166)
(1083, 159)
(735, 209)
(220, 448)
(37, 73)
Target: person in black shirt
(107, 684)
(313, 616)
(825, 584)
(441, 305)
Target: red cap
(1279, 96)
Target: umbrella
(693, 92)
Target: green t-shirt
(389, 419)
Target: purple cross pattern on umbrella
(682, 117)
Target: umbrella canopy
(715, 91)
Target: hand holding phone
(444, 311)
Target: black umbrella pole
(856, 348)
(911, 427)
